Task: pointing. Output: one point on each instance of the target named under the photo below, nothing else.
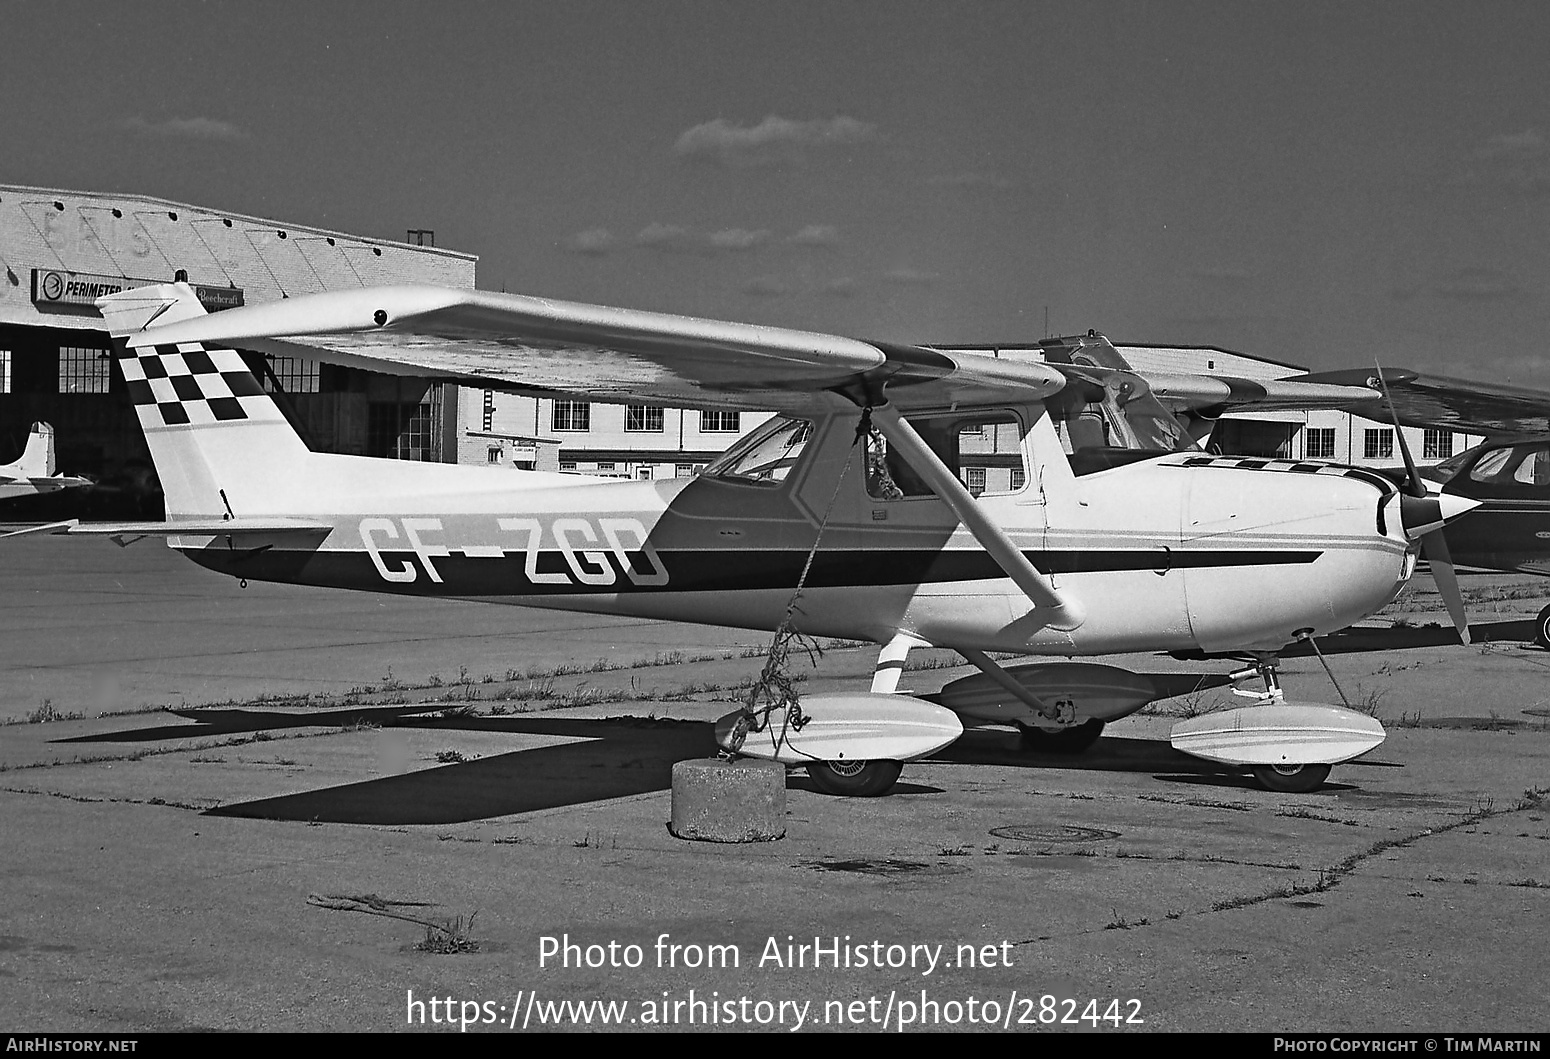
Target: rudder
(221, 445)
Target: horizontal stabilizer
(195, 527)
(182, 528)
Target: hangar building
(60, 250)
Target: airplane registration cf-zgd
(1123, 536)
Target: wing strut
(1058, 611)
(1009, 683)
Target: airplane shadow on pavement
(612, 758)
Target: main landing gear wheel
(1071, 740)
(855, 779)
(1542, 629)
(1291, 779)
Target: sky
(1317, 183)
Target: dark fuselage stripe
(699, 571)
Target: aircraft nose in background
(1420, 515)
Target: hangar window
(294, 375)
(1378, 444)
(401, 431)
(642, 417)
(1319, 443)
(719, 422)
(1436, 444)
(83, 369)
(5, 371)
(571, 415)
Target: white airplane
(34, 472)
(843, 516)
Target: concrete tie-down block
(729, 801)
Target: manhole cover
(1035, 833)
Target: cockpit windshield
(1445, 470)
(766, 455)
(1107, 416)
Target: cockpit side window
(1490, 466)
(984, 449)
(766, 456)
(1535, 468)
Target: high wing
(1455, 404)
(553, 348)
(1208, 396)
(1221, 393)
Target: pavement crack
(117, 801)
(1328, 878)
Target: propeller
(1423, 514)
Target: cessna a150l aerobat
(843, 516)
(34, 472)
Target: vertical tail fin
(220, 443)
(37, 458)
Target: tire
(855, 779)
(1291, 779)
(1073, 740)
(1542, 629)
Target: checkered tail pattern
(188, 385)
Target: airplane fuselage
(1174, 553)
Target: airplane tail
(37, 458)
(221, 445)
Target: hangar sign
(53, 287)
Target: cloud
(774, 141)
(910, 276)
(1476, 285)
(667, 237)
(1516, 163)
(677, 239)
(765, 287)
(986, 181)
(184, 128)
(1526, 144)
(594, 241)
(815, 235)
(737, 239)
